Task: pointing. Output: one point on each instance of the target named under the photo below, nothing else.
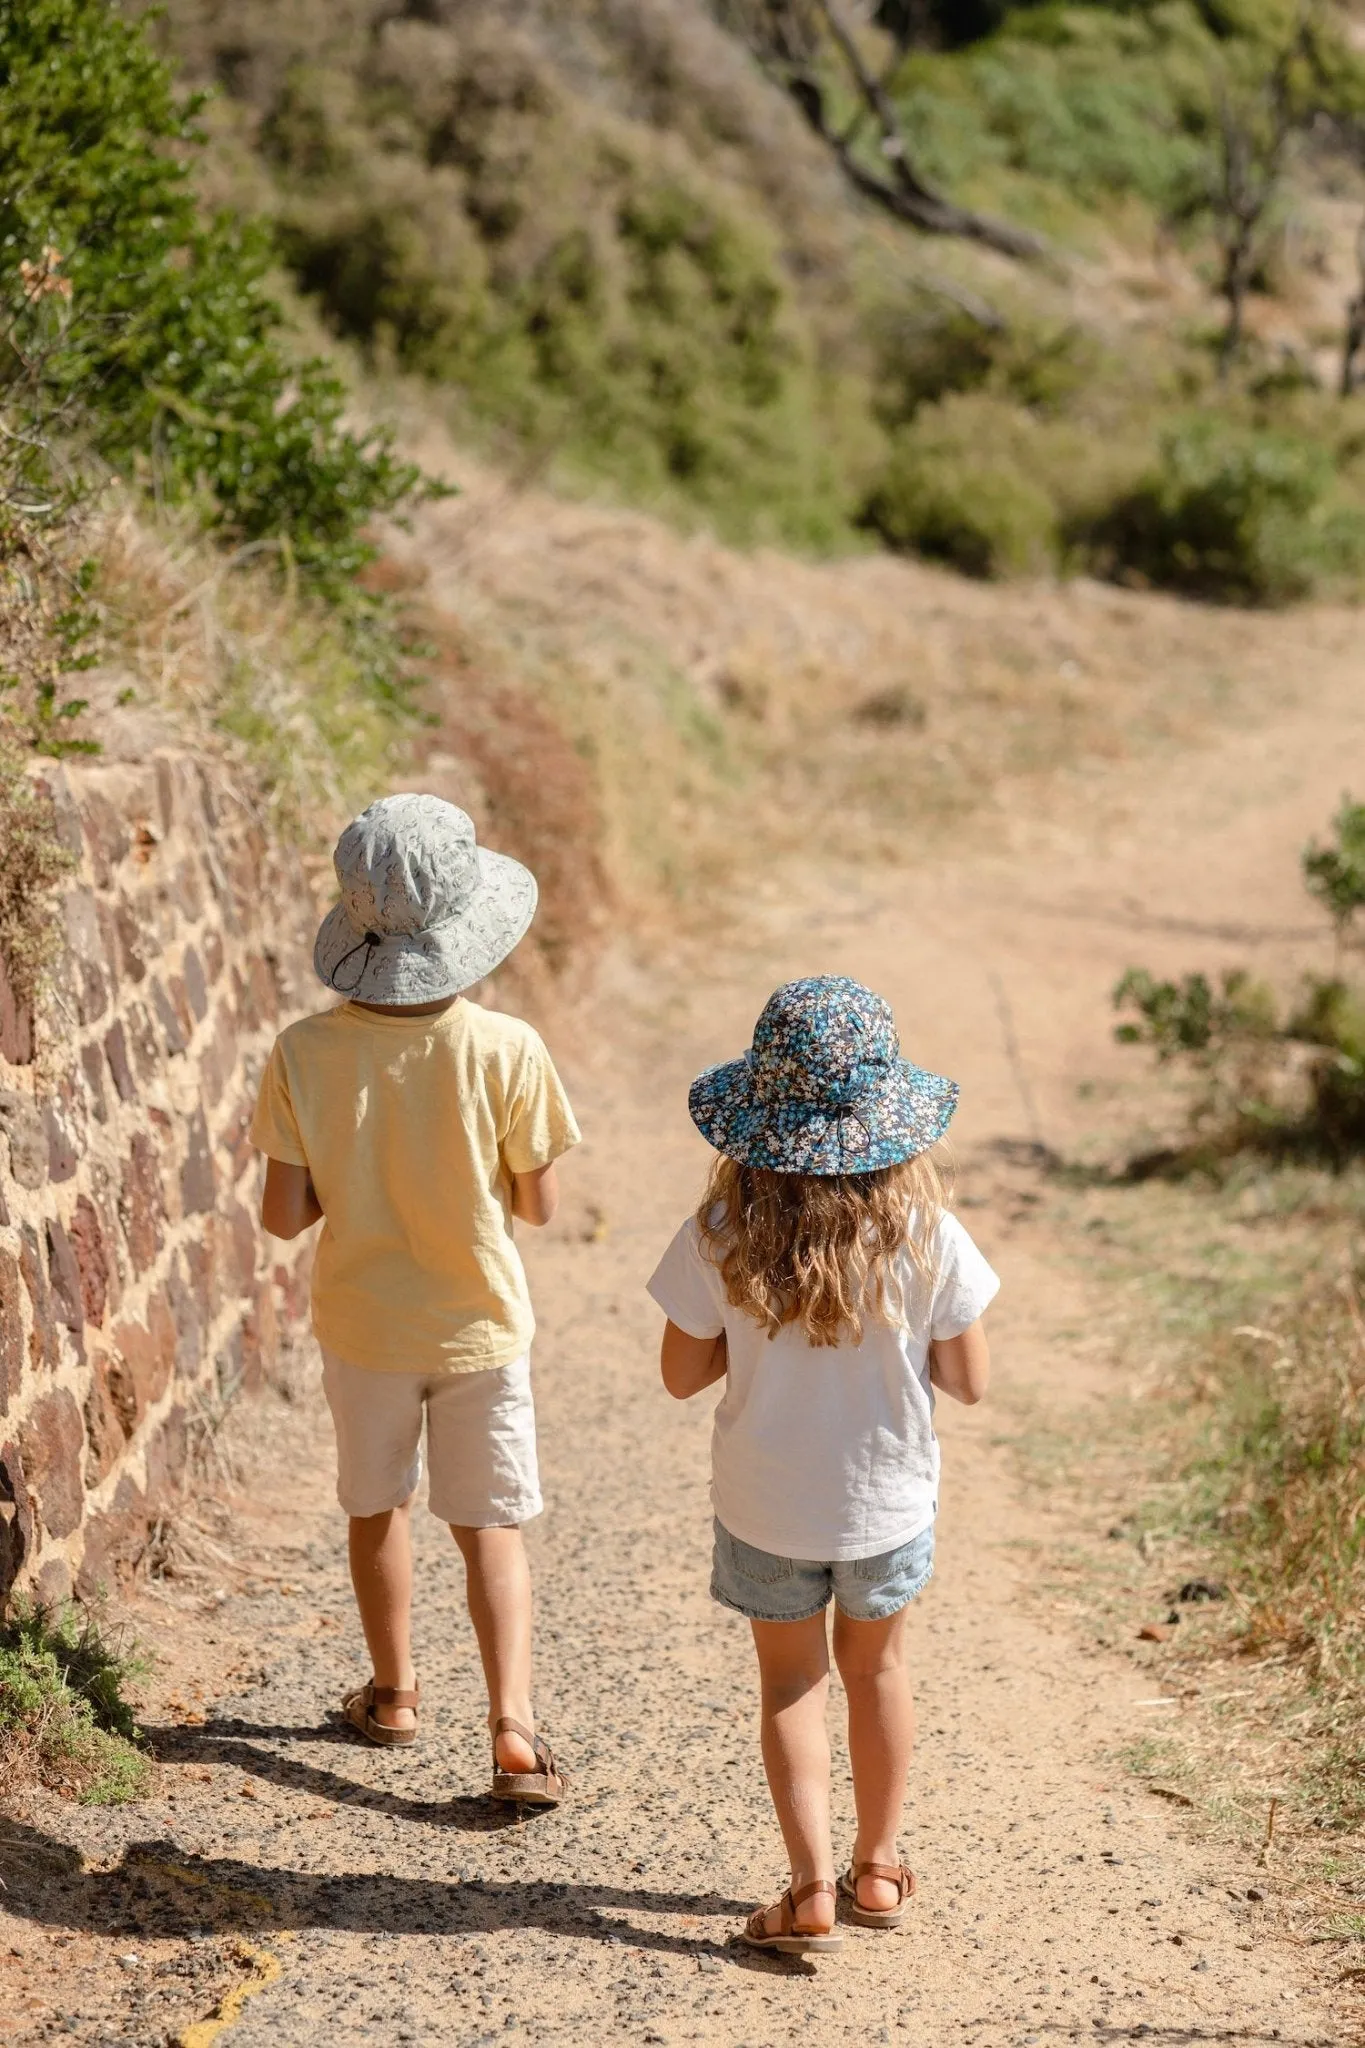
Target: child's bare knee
(866, 1652)
(789, 1688)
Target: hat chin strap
(837, 1116)
(369, 942)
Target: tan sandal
(544, 1787)
(789, 1939)
(358, 1709)
(894, 1873)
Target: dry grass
(225, 650)
(736, 707)
(1239, 1460)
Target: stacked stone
(136, 1293)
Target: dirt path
(349, 1895)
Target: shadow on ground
(160, 1890)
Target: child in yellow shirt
(415, 1125)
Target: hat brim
(907, 1114)
(444, 960)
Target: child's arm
(961, 1366)
(690, 1363)
(535, 1196)
(288, 1205)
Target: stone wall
(136, 1291)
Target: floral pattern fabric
(823, 1089)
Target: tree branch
(905, 194)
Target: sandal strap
(894, 1873)
(808, 1891)
(393, 1696)
(540, 1748)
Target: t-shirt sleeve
(688, 1287)
(540, 1124)
(274, 1126)
(964, 1285)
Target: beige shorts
(481, 1441)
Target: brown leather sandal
(894, 1873)
(790, 1940)
(544, 1787)
(358, 1709)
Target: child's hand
(535, 1196)
(688, 1364)
(961, 1366)
(289, 1204)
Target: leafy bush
(957, 488)
(600, 297)
(928, 349)
(1335, 875)
(1190, 1016)
(64, 1720)
(1075, 100)
(142, 327)
(1273, 1079)
(1232, 513)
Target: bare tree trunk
(1353, 341)
(1253, 158)
(1236, 282)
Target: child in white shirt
(825, 1283)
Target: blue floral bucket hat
(823, 1089)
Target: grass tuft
(65, 1721)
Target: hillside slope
(615, 248)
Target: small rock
(130, 1962)
(1200, 1965)
(709, 1965)
(1255, 1892)
(1153, 1632)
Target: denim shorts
(767, 1588)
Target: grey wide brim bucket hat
(823, 1089)
(425, 911)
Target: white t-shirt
(826, 1453)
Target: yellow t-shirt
(411, 1128)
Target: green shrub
(599, 296)
(1232, 513)
(1335, 875)
(64, 1720)
(1074, 102)
(143, 328)
(927, 349)
(1271, 1079)
(957, 489)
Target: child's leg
(793, 1664)
(881, 1729)
(498, 1584)
(381, 1573)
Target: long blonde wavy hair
(817, 1249)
